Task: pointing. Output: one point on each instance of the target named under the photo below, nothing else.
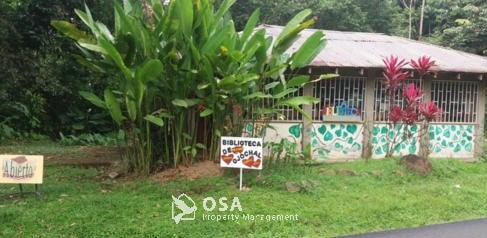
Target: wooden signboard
(21, 169)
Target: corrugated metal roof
(366, 50)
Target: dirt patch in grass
(197, 170)
(107, 159)
(85, 156)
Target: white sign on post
(241, 152)
(21, 169)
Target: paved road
(464, 229)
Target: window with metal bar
(457, 99)
(285, 113)
(342, 97)
(381, 101)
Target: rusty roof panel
(366, 50)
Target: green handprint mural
(338, 140)
(451, 140)
(445, 141)
(344, 140)
(382, 135)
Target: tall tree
(380, 14)
(410, 6)
(276, 12)
(458, 24)
(350, 15)
(344, 15)
(38, 76)
(420, 32)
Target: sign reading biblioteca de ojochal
(241, 152)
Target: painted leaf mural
(336, 141)
(382, 134)
(452, 140)
(295, 130)
(445, 141)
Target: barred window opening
(285, 113)
(457, 99)
(381, 101)
(342, 96)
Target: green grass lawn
(81, 203)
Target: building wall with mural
(350, 121)
(336, 141)
(344, 141)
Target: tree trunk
(410, 17)
(410, 9)
(421, 21)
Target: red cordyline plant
(430, 111)
(396, 114)
(412, 94)
(423, 64)
(415, 110)
(422, 67)
(393, 73)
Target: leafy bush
(40, 79)
(285, 151)
(92, 139)
(185, 76)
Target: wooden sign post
(242, 153)
(22, 169)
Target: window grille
(342, 96)
(457, 99)
(285, 113)
(381, 101)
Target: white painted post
(241, 175)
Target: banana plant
(129, 52)
(184, 65)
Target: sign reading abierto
(241, 152)
(21, 169)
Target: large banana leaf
(298, 101)
(179, 18)
(308, 50)
(151, 70)
(215, 40)
(222, 10)
(290, 33)
(95, 100)
(298, 81)
(155, 120)
(113, 106)
(71, 31)
(113, 54)
(132, 106)
(249, 27)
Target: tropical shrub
(415, 111)
(39, 78)
(186, 76)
